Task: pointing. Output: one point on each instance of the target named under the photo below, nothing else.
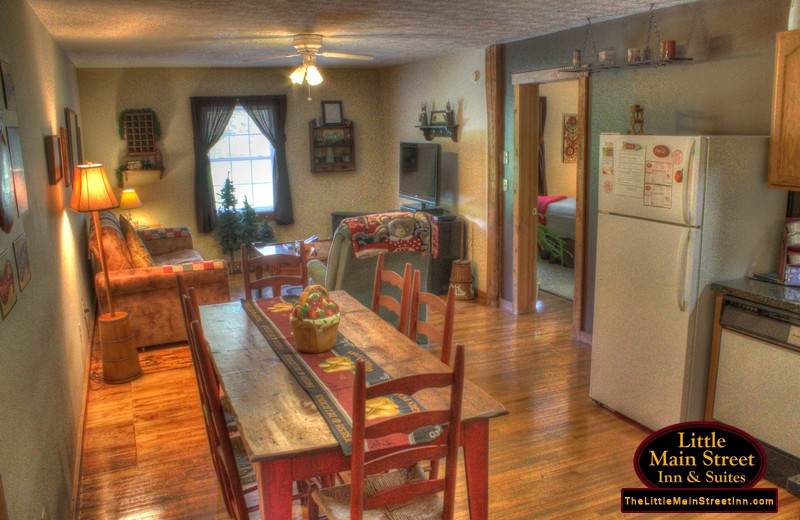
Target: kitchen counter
(772, 294)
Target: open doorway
(558, 185)
(523, 225)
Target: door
(642, 318)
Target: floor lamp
(91, 192)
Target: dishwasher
(758, 374)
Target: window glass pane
(220, 150)
(240, 172)
(262, 195)
(219, 171)
(240, 146)
(242, 191)
(259, 145)
(247, 155)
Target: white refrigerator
(675, 213)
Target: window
(247, 155)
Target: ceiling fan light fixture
(298, 75)
(313, 77)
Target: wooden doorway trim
(495, 116)
(524, 192)
(527, 205)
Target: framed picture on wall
(21, 257)
(332, 113)
(52, 151)
(63, 150)
(8, 289)
(18, 170)
(75, 156)
(9, 96)
(569, 140)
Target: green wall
(725, 89)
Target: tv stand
(433, 210)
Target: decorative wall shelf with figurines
(141, 131)
(440, 124)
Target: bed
(558, 213)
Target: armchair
(356, 276)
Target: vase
(329, 157)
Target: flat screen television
(420, 164)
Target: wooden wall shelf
(432, 131)
(332, 147)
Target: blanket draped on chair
(393, 232)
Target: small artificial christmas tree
(250, 230)
(229, 227)
(265, 232)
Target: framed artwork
(64, 152)
(8, 289)
(21, 257)
(52, 149)
(18, 170)
(7, 210)
(9, 97)
(332, 113)
(73, 145)
(438, 117)
(569, 139)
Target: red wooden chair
(443, 312)
(391, 479)
(387, 301)
(258, 273)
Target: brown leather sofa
(142, 267)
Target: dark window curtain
(210, 116)
(542, 119)
(269, 114)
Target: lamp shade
(313, 77)
(298, 75)
(129, 200)
(91, 190)
(308, 71)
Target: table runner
(328, 377)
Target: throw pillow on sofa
(139, 253)
(114, 244)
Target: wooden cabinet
(332, 147)
(784, 143)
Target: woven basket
(314, 336)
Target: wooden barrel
(461, 280)
(118, 348)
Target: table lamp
(130, 200)
(92, 192)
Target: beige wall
(44, 339)
(464, 162)
(383, 106)
(562, 98)
(107, 92)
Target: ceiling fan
(308, 46)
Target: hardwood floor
(556, 455)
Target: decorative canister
(461, 280)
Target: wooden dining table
(284, 434)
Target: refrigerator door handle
(688, 183)
(683, 269)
